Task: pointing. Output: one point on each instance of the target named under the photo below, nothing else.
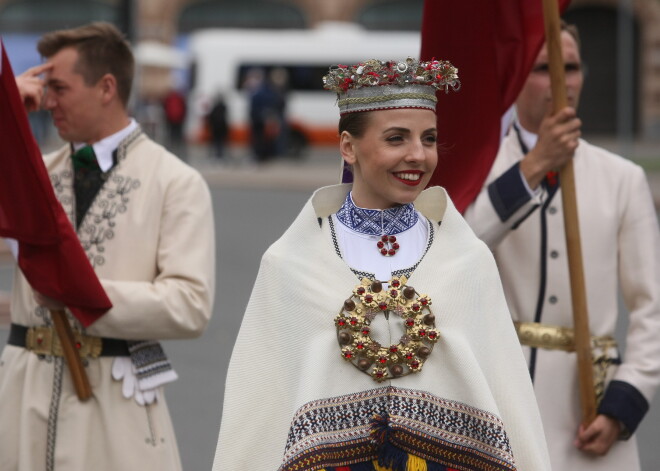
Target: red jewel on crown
(387, 245)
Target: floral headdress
(377, 85)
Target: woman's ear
(347, 147)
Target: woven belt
(45, 341)
(550, 337)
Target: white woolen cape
(287, 376)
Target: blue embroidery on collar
(377, 222)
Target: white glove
(122, 368)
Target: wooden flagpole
(571, 223)
(71, 356)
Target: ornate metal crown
(375, 85)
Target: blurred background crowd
(221, 75)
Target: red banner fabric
(493, 43)
(50, 255)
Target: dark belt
(44, 341)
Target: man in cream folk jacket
(145, 220)
(519, 215)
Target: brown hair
(102, 50)
(354, 123)
(572, 30)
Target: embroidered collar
(105, 148)
(377, 221)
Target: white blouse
(362, 254)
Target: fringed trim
(413, 463)
(390, 457)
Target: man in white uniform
(519, 215)
(145, 220)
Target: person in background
(146, 222)
(267, 107)
(218, 127)
(279, 79)
(519, 214)
(174, 107)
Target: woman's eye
(572, 67)
(395, 138)
(430, 139)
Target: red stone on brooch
(387, 245)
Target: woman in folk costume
(377, 335)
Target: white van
(223, 58)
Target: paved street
(253, 206)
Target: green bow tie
(84, 158)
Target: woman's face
(394, 159)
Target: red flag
(49, 253)
(493, 43)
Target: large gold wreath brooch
(383, 362)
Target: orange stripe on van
(323, 136)
(314, 135)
